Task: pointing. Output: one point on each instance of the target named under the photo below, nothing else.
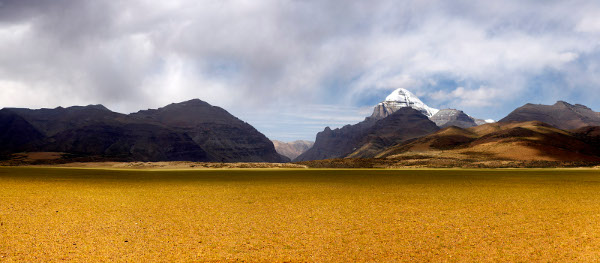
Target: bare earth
(299, 215)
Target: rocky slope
(187, 131)
(292, 149)
(223, 136)
(377, 131)
(16, 134)
(508, 143)
(369, 136)
(523, 141)
(404, 124)
(588, 134)
(560, 115)
(451, 117)
(338, 142)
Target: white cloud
(262, 56)
(589, 24)
(483, 96)
(476, 97)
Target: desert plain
(298, 215)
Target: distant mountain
(560, 115)
(188, 131)
(16, 134)
(223, 136)
(292, 149)
(532, 135)
(381, 130)
(401, 98)
(337, 143)
(523, 141)
(402, 125)
(482, 121)
(369, 136)
(375, 133)
(451, 117)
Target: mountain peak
(400, 94)
(561, 102)
(569, 105)
(453, 117)
(196, 100)
(582, 107)
(188, 114)
(192, 102)
(97, 107)
(401, 98)
(561, 115)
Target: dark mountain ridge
(225, 137)
(16, 134)
(561, 115)
(369, 136)
(338, 142)
(188, 131)
(402, 125)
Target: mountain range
(370, 135)
(401, 130)
(561, 115)
(400, 117)
(561, 132)
(189, 131)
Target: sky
(290, 68)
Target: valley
(299, 131)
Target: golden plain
(299, 215)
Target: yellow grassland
(299, 215)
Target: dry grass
(177, 165)
(55, 214)
(36, 156)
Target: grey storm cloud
(285, 58)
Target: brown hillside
(561, 115)
(525, 141)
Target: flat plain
(299, 215)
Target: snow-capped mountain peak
(401, 94)
(401, 98)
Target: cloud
(264, 56)
(479, 97)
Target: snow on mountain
(452, 117)
(401, 98)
